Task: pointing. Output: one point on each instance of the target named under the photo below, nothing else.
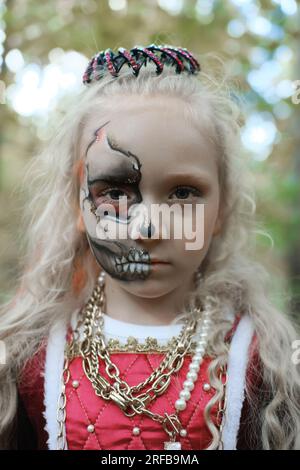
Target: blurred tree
(258, 40)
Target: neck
(125, 306)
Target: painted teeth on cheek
(133, 258)
(139, 268)
(125, 267)
(132, 267)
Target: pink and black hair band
(180, 58)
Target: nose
(148, 225)
(147, 230)
(147, 237)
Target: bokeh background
(45, 46)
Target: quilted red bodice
(113, 430)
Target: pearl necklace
(191, 377)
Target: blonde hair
(59, 271)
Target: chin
(149, 289)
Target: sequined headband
(135, 58)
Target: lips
(158, 261)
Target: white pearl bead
(188, 385)
(91, 428)
(192, 376)
(200, 353)
(180, 404)
(202, 343)
(75, 384)
(185, 394)
(183, 433)
(197, 357)
(136, 431)
(206, 387)
(194, 367)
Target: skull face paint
(115, 171)
(179, 160)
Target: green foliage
(36, 28)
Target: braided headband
(179, 57)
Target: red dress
(112, 430)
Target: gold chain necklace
(93, 346)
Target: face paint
(115, 170)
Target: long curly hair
(58, 270)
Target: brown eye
(184, 192)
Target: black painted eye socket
(116, 192)
(111, 196)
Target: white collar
(121, 330)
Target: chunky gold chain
(93, 346)
(222, 405)
(61, 409)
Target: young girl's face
(143, 155)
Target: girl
(123, 335)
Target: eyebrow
(111, 179)
(193, 178)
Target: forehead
(159, 130)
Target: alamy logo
(296, 95)
(2, 92)
(296, 353)
(181, 222)
(2, 353)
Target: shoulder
(249, 435)
(30, 420)
(32, 370)
(38, 381)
